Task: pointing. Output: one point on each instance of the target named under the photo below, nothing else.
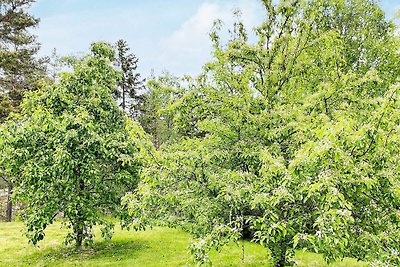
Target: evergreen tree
(130, 81)
(20, 71)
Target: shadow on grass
(116, 249)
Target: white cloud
(193, 31)
(164, 38)
(160, 33)
(188, 48)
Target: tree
(154, 114)
(130, 82)
(294, 137)
(20, 71)
(73, 151)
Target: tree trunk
(123, 94)
(79, 222)
(79, 235)
(279, 255)
(281, 262)
(9, 204)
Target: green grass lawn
(154, 247)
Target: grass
(154, 247)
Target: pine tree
(20, 70)
(130, 82)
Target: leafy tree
(294, 137)
(130, 83)
(155, 116)
(20, 71)
(73, 151)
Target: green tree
(20, 71)
(154, 113)
(130, 82)
(294, 137)
(72, 151)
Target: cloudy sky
(164, 34)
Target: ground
(154, 247)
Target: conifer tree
(20, 70)
(130, 82)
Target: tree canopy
(20, 70)
(130, 83)
(72, 151)
(289, 137)
(293, 138)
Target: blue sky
(164, 34)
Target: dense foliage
(292, 139)
(72, 151)
(154, 115)
(130, 82)
(289, 137)
(20, 70)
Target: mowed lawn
(154, 247)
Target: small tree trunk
(281, 261)
(79, 236)
(279, 255)
(9, 204)
(78, 229)
(123, 94)
(79, 223)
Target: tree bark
(79, 223)
(79, 235)
(123, 94)
(9, 204)
(282, 261)
(279, 255)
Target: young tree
(155, 116)
(295, 136)
(20, 71)
(73, 151)
(130, 82)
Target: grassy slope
(156, 247)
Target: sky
(166, 35)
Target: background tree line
(291, 140)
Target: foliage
(294, 138)
(155, 116)
(73, 152)
(130, 82)
(20, 71)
